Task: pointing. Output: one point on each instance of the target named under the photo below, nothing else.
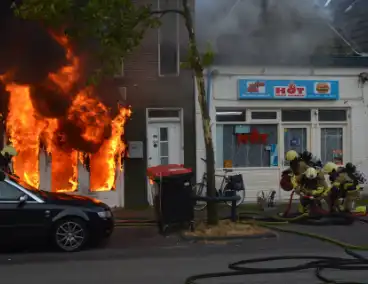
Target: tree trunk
(196, 64)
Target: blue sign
(242, 129)
(274, 156)
(258, 89)
(295, 142)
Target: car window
(9, 192)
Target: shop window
(332, 115)
(264, 115)
(230, 115)
(246, 146)
(332, 145)
(296, 115)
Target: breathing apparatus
(311, 160)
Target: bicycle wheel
(200, 189)
(240, 193)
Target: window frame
(177, 16)
(311, 111)
(314, 126)
(342, 122)
(346, 139)
(229, 110)
(261, 122)
(264, 111)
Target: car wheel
(70, 235)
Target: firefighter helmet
(291, 155)
(330, 167)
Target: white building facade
(259, 113)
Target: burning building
(66, 137)
(69, 137)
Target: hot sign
(291, 91)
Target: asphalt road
(138, 256)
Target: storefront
(261, 114)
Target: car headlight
(104, 214)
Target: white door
(334, 144)
(295, 137)
(163, 146)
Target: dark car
(68, 221)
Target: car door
(19, 221)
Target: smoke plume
(284, 29)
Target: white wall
(224, 93)
(112, 198)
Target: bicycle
(200, 189)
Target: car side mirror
(23, 199)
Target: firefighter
(333, 171)
(288, 177)
(6, 155)
(344, 184)
(348, 180)
(311, 189)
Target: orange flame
(106, 162)
(27, 128)
(24, 128)
(68, 75)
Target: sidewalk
(149, 213)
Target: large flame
(24, 128)
(27, 129)
(108, 159)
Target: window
(332, 115)
(296, 115)
(295, 139)
(123, 93)
(164, 146)
(332, 145)
(228, 115)
(246, 146)
(169, 39)
(264, 115)
(159, 113)
(9, 192)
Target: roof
(283, 34)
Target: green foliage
(208, 56)
(205, 60)
(117, 26)
(185, 65)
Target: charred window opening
(168, 39)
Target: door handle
(150, 158)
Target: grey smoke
(286, 29)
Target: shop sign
(254, 137)
(288, 89)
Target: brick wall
(145, 89)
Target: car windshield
(38, 192)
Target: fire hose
(319, 263)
